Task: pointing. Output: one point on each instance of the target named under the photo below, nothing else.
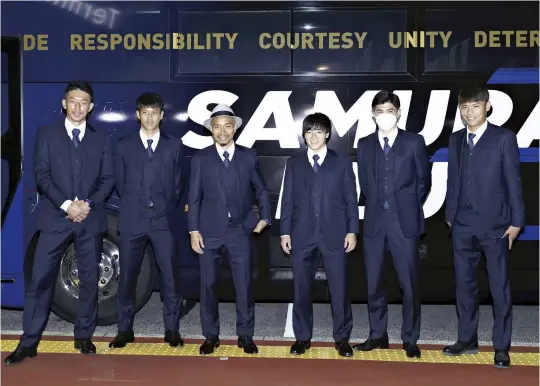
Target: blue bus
(274, 64)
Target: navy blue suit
(318, 209)
(395, 185)
(215, 191)
(64, 171)
(483, 199)
(150, 186)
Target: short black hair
(80, 85)
(316, 121)
(385, 96)
(473, 94)
(150, 99)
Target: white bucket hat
(222, 110)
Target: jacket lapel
(398, 150)
(219, 169)
(373, 149)
(62, 151)
(459, 150)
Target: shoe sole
(215, 347)
(466, 352)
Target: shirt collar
(221, 150)
(154, 138)
(321, 153)
(478, 133)
(391, 136)
(70, 126)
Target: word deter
(494, 39)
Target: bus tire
(65, 298)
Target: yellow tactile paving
(231, 351)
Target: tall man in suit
(485, 211)
(395, 179)
(74, 174)
(319, 213)
(221, 219)
(148, 176)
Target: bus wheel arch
(65, 298)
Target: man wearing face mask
(395, 179)
(485, 211)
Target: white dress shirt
(391, 137)
(221, 150)
(69, 128)
(322, 155)
(478, 133)
(154, 138)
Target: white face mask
(386, 122)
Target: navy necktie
(76, 139)
(315, 164)
(386, 206)
(149, 149)
(226, 160)
(386, 145)
(471, 143)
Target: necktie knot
(386, 145)
(471, 137)
(316, 157)
(149, 148)
(76, 140)
(226, 155)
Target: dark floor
(70, 370)
(57, 369)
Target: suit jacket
(129, 160)
(207, 201)
(54, 178)
(412, 180)
(339, 204)
(496, 171)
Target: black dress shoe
(20, 354)
(122, 339)
(85, 346)
(174, 339)
(461, 348)
(247, 344)
(502, 359)
(209, 345)
(300, 346)
(372, 344)
(344, 349)
(412, 350)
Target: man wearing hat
(221, 219)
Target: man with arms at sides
(74, 173)
(147, 169)
(395, 179)
(319, 212)
(485, 211)
(221, 219)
